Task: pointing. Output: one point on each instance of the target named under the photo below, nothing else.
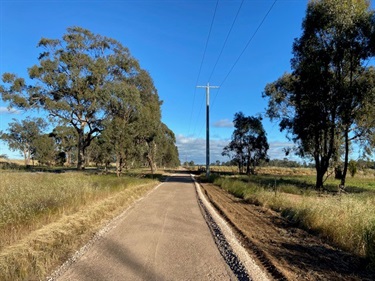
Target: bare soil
(284, 250)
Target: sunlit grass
(347, 220)
(44, 216)
(31, 199)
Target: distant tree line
(105, 108)
(360, 164)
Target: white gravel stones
(236, 256)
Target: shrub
(352, 167)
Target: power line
(201, 64)
(221, 52)
(225, 42)
(208, 38)
(248, 42)
(226, 39)
(244, 49)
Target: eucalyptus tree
(365, 113)
(102, 152)
(124, 106)
(65, 138)
(149, 118)
(72, 80)
(348, 28)
(45, 149)
(167, 153)
(21, 136)
(321, 103)
(249, 142)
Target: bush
(352, 167)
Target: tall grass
(348, 221)
(44, 217)
(29, 200)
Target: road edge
(235, 255)
(59, 271)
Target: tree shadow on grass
(306, 251)
(325, 261)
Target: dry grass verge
(347, 221)
(67, 225)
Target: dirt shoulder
(286, 251)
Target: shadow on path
(122, 262)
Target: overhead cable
(244, 49)
(226, 39)
(204, 54)
(201, 64)
(248, 42)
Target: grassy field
(346, 220)
(45, 217)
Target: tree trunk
(241, 164)
(151, 164)
(118, 165)
(248, 165)
(81, 151)
(68, 158)
(319, 179)
(346, 160)
(28, 155)
(25, 156)
(151, 156)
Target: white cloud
(194, 149)
(5, 110)
(223, 123)
(276, 150)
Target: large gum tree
(72, 82)
(322, 103)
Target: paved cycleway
(163, 237)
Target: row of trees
(59, 147)
(328, 101)
(98, 94)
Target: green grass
(346, 220)
(44, 217)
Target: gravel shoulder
(284, 250)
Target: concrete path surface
(163, 237)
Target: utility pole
(208, 126)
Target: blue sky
(169, 39)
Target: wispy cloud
(5, 110)
(276, 150)
(224, 123)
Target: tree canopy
(92, 84)
(249, 142)
(322, 104)
(23, 136)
